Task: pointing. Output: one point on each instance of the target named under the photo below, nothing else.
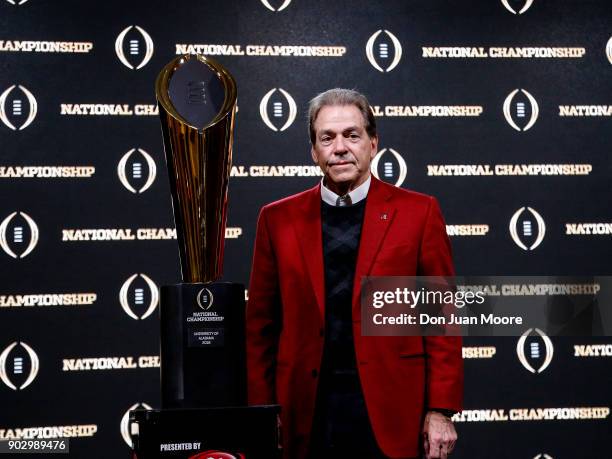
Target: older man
(344, 394)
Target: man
(343, 394)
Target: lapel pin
(383, 216)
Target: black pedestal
(218, 433)
(203, 345)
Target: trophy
(203, 367)
(202, 319)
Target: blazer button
(314, 373)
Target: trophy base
(244, 432)
(203, 361)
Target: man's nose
(340, 145)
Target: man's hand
(439, 435)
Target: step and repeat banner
(499, 108)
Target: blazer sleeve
(444, 353)
(263, 321)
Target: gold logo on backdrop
(274, 171)
(47, 299)
(533, 414)
(43, 172)
(479, 352)
(136, 171)
(467, 230)
(535, 351)
(48, 432)
(266, 3)
(389, 170)
(527, 229)
(588, 228)
(383, 53)
(513, 11)
(585, 110)
(503, 52)
(18, 236)
(278, 111)
(465, 170)
(137, 297)
(427, 110)
(134, 47)
(592, 350)
(212, 49)
(37, 46)
(18, 365)
(17, 109)
(108, 110)
(110, 363)
(124, 426)
(520, 110)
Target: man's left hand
(439, 435)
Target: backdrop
(499, 108)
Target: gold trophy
(202, 320)
(197, 103)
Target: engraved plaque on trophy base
(203, 345)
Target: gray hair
(340, 96)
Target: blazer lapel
(379, 213)
(307, 224)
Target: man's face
(342, 147)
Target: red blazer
(401, 376)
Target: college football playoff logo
(284, 5)
(524, 232)
(205, 299)
(124, 425)
(13, 110)
(535, 350)
(19, 365)
(543, 456)
(393, 169)
(134, 48)
(281, 106)
(18, 239)
(609, 50)
(513, 11)
(15, 2)
(131, 173)
(139, 296)
(520, 106)
(383, 51)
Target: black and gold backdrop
(499, 108)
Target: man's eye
(354, 136)
(325, 139)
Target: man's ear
(314, 155)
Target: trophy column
(202, 320)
